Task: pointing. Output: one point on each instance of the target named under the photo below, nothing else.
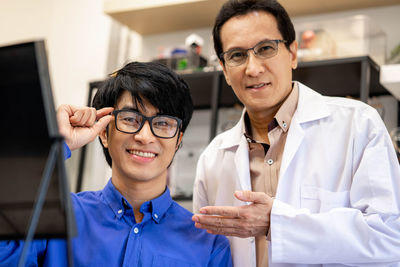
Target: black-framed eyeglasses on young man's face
(131, 121)
(263, 50)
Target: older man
(302, 179)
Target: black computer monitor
(28, 131)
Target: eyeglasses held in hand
(263, 50)
(130, 121)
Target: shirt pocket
(164, 261)
(319, 200)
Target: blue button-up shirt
(108, 235)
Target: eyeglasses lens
(263, 50)
(132, 122)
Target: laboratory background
(353, 46)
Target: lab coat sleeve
(365, 233)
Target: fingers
(83, 117)
(221, 210)
(255, 197)
(216, 230)
(215, 221)
(103, 118)
(81, 125)
(242, 221)
(216, 224)
(101, 124)
(103, 112)
(86, 116)
(220, 225)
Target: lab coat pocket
(318, 199)
(164, 261)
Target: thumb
(249, 196)
(102, 123)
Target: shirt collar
(286, 111)
(118, 204)
(282, 118)
(158, 207)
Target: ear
(225, 73)
(103, 137)
(293, 54)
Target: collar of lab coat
(311, 106)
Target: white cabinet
(390, 79)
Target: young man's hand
(81, 125)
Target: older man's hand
(243, 221)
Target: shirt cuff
(67, 151)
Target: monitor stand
(56, 157)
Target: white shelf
(390, 79)
(160, 16)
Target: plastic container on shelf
(342, 37)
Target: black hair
(154, 82)
(234, 8)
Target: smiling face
(140, 157)
(260, 84)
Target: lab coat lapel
(242, 165)
(235, 140)
(293, 141)
(310, 107)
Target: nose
(145, 135)
(254, 65)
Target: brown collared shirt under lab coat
(265, 159)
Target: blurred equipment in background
(352, 36)
(185, 59)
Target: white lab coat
(338, 196)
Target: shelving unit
(356, 77)
(160, 16)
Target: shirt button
(284, 124)
(270, 161)
(120, 211)
(155, 215)
(136, 230)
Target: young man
(133, 221)
(323, 171)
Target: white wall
(76, 34)
(77, 39)
(78, 46)
(23, 20)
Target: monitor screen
(28, 129)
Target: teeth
(142, 154)
(259, 85)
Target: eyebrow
(131, 108)
(127, 108)
(238, 47)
